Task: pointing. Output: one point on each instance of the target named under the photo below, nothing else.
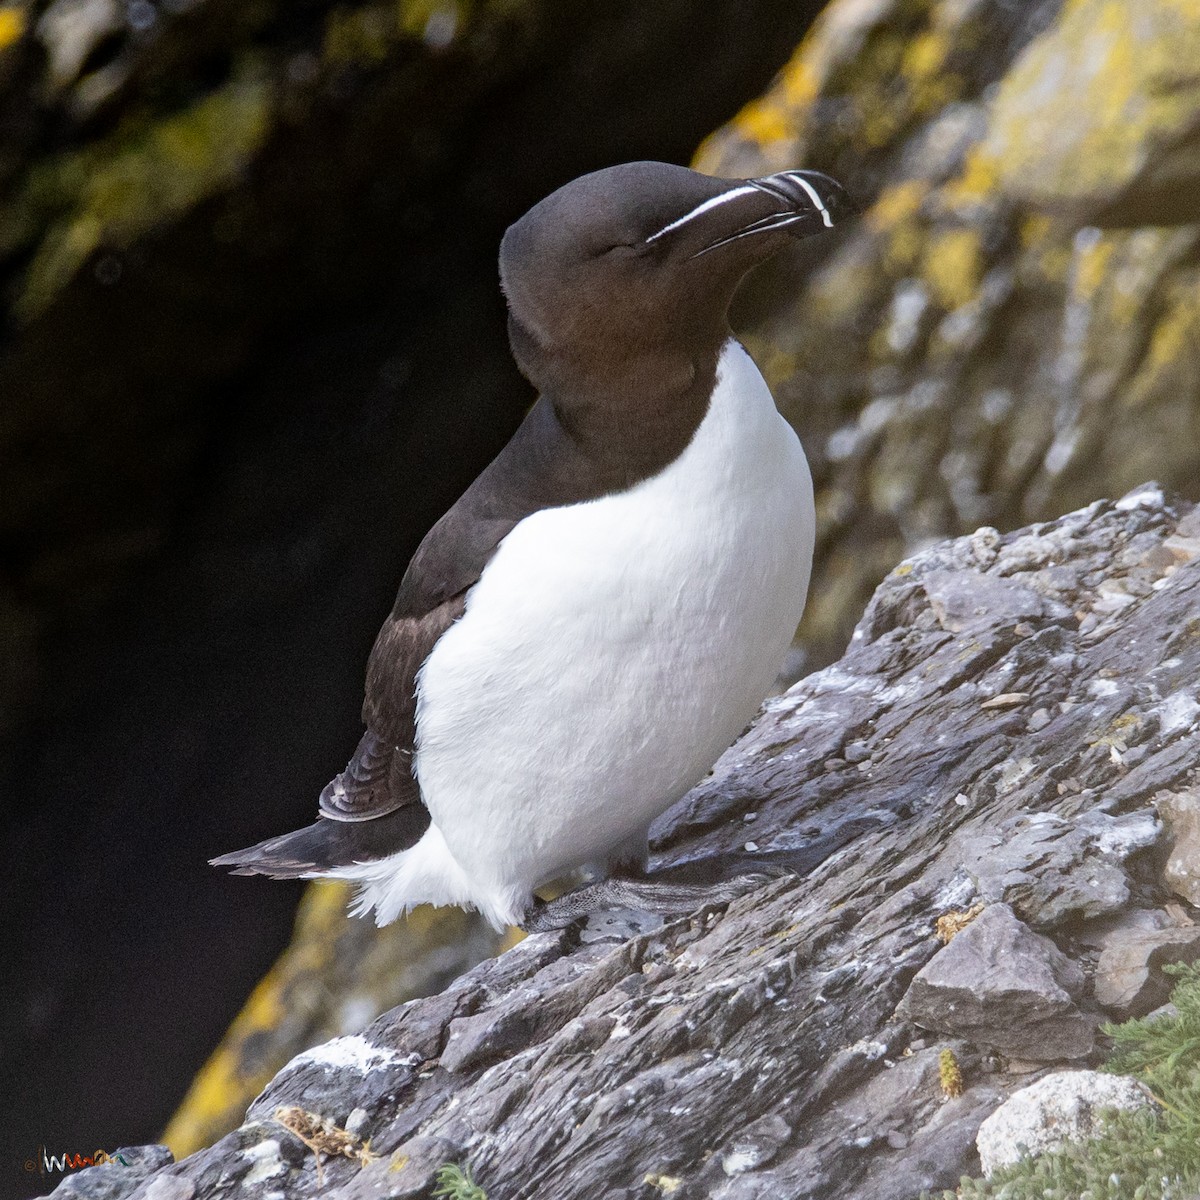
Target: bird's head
(647, 255)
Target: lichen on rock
(1010, 329)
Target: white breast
(609, 653)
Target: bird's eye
(617, 249)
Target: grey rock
(1099, 933)
(117, 1180)
(1060, 1107)
(756, 1145)
(1180, 812)
(764, 1039)
(169, 1187)
(1129, 979)
(1052, 868)
(961, 599)
(1001, 986)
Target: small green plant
(950, 1074)
(1151, 1154)
(455, 1183)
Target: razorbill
(602, 612)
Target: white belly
(610, 652)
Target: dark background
(216, 454)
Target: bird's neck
(638, 410)
(627, 406)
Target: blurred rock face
(1013, 328)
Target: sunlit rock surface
(1014, 326)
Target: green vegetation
(1152, 1154)
(455, 1182)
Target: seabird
(601, 613)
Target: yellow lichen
(1046, 252)
(1034, 230)
(896, 203)
(1092, 268)
(1121, 98)
(1174, 339)
(1118, 733)
(903, 250)
(12, 25)
(975, 182)
(800, 86)
(925, 54)
(762, 122)
(953, 265)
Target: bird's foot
(671, 892)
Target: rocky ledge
(997, 785)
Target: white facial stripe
(713, 202)
(812, 195)
(766, 225)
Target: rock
(1097, 117)
(1097, 934)
(1129, 979)
(757, 1145)
(1003, 987)
(1180, 812)
(1079, 862)
(1060, 1107)
(960, 599)
(116, 1180)
(757, 1051)
(968, 355)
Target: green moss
(1150, 1154)
(147, 172)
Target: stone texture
(1060, 1107)
(1181, 813)
(1003, 987)
(1097, 118)
(757, 1051)
(1011, 329)
(1129, 982)
(1079, 862)
(116, 1181)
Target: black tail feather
(321, 848)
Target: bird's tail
(327, 845)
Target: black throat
(627, 411)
